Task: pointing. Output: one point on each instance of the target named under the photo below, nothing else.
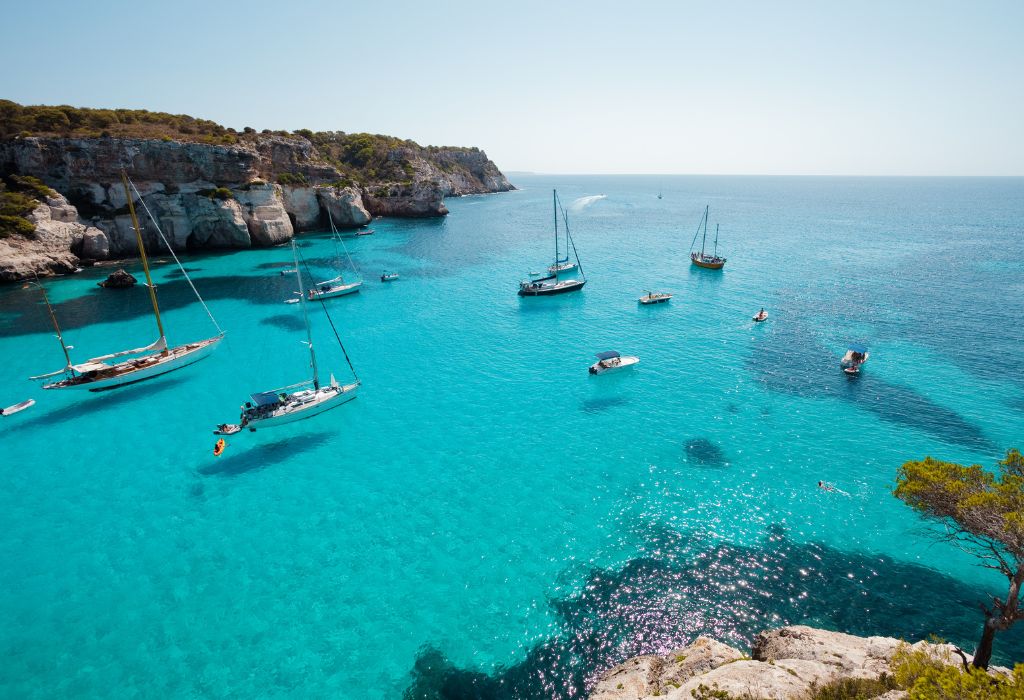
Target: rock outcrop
(784, 664)
(258, 191)
(119, 279)
(49, 250)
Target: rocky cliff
(244, 190)
(786, 663)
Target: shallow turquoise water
(485, 505)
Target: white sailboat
(295, 402)
(337, 286)
(555, 282)
(98, 373)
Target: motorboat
(388, 276)
(853, 359)
(760, 316)
(611, 360)
(654, 298)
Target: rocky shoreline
(783, 663)
(255, 193)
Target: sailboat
(336, 286)
(98, 373)
(561, 264)
(306, 399)
(710, 261)
(553, 283)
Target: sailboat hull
(141, 368)
(539, 289)
(708, 264)
(335, 291)
(324, 399)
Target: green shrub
(16, 204)
(15, 225)
(291, 179)
(928, 678)
(853, 688)
(30, 185)
(222, 193)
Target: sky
(774, 88)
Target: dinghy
(760, 316)
(388, 276)
(10, 410)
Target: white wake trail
(584, 202)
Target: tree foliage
(982, 513)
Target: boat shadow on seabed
(265, 455)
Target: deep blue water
(487, 520)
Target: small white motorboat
(610, 361)
(853, 359)
(654, 298)
(760, 316)
(367, 232)
(388, 276)
(17, 407)
(288, 271)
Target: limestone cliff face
(48, 251)
(257, 192)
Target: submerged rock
(118, 280)
(704, 452)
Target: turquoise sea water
(487, 520)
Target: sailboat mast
(145, 260)
(305, 317)
(554, 208)
(705, 239)
(716, 240)
(56, 326)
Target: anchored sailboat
(336, 286)
(553, 283)
(710, 261)
(97, 373)
(297, 401)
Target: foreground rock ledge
(784, 663)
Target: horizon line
(635, 174)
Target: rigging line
(188, 279)
(329, 319)
(694, 241)
(572, 243)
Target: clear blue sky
(874, 88)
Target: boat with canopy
(611, 360)
(306, 399)
(336, 286)
(709, 261)
(554, 282)
(139, 364)
(854, 358)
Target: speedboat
(610, 361)
(655, 298)
(760, 316)
(853, 359)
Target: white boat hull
(142, 368)
(623, 362)
(326, 398)
(335, 291)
